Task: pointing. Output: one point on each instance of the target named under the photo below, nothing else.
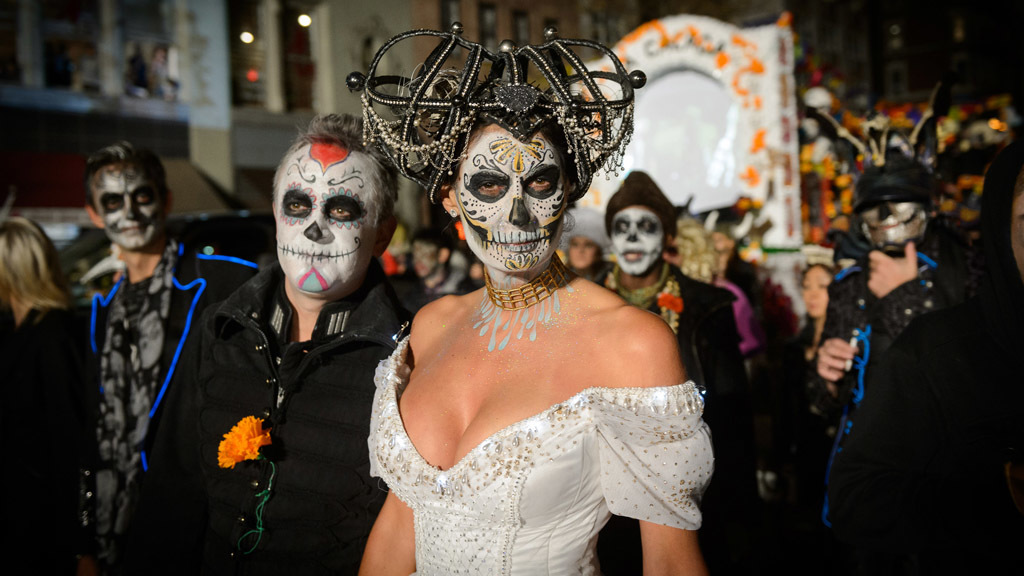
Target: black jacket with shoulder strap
(308, 505)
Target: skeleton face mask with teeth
(637, 240)
(890, 225)
(326, 220)
(511, 195)
(128, 203)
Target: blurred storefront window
(10, 70)
(248, 53)
(70, 34)
(151, 59)
(299, 67)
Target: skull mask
(326, 219)
(890, 225)
(128, 203)
(511, 195)
(637, 240)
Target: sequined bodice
(531, 498)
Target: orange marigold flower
(243, 442)
(670, 301)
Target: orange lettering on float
(751, 176)
(758, 141)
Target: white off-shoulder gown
(532, 497)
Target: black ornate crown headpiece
(431, 115)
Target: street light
(305, 20)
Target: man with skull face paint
(641, 221)
(916, 266)
(296, 346)
(138, 330)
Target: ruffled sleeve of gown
(390, 379)
(655, 451)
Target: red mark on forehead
(327, 154)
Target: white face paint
(637, 240)
(511, 195)
(325, 220)
(129, 205)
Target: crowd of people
(534, 386)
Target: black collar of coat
(372, 311)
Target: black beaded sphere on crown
(355, 81)
(637, 78)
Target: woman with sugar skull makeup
(516, 419)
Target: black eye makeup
(543, 182)
(296, 204)
(111, 202)
(143, 196)
(647, 226)
(343, 208)
(620, 226)
(488, 186)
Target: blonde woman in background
(41, 418)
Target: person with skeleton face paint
(297, 347)
(641, 222)
(137, 332)
(508, 393)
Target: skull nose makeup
(317, 234)
(519, 216)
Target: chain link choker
(533, 292)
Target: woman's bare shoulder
(632, 347)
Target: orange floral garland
(243, 442)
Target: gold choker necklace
(536, 290)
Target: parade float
(716, 124)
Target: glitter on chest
(501, 326)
